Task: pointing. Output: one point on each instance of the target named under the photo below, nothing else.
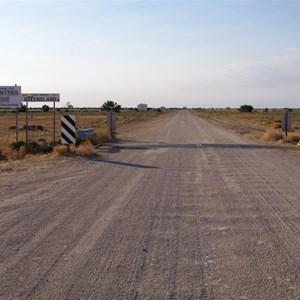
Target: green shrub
(17, 145)
(40, 127)
(45, 149)
(78, 141)
(33, 147)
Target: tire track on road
(45, 229)
(269, 223)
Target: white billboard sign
(10, 96)
(40, 97)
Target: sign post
(41, 98)
(17, 126)
(68, 130)
(111, 122)
(53, 123)
(286, 122)
(10, 97)
(26, 123)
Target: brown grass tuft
(276, 135)
(272, 136)
(276, 125)
(7, 151)
(59, 150)
(17, 154)
(293, 137)
(103, 136)
(21, 153)
(84, 149)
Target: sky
(200, 53)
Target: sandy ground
(178, 209)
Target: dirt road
(181, 209)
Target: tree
(246, 108)
(111, 106)
(69, 105)
(22, 108)
(45, 108)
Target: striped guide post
(68, 130)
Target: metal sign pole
(17, 127)
(53, 123)
(26, 123)
(111, 122)
(286, 123)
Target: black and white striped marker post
(68, 130)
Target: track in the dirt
(185, 210)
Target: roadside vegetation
(40, 130)
(257, 124)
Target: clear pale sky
(163, 53)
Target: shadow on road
(108, 161)
(113, 149)
(119, 147)
(241, 146)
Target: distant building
(142, 107)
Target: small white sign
(40, 97)
(10, 96)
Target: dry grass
(84, 149)
(277, 135)
(19, 154)
(294, 137)
(258, 125)
(276, 125)
(7, 151)
(84, 119)
(272, 136)
(59, 150)
(41, 128)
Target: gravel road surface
(180, 209)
